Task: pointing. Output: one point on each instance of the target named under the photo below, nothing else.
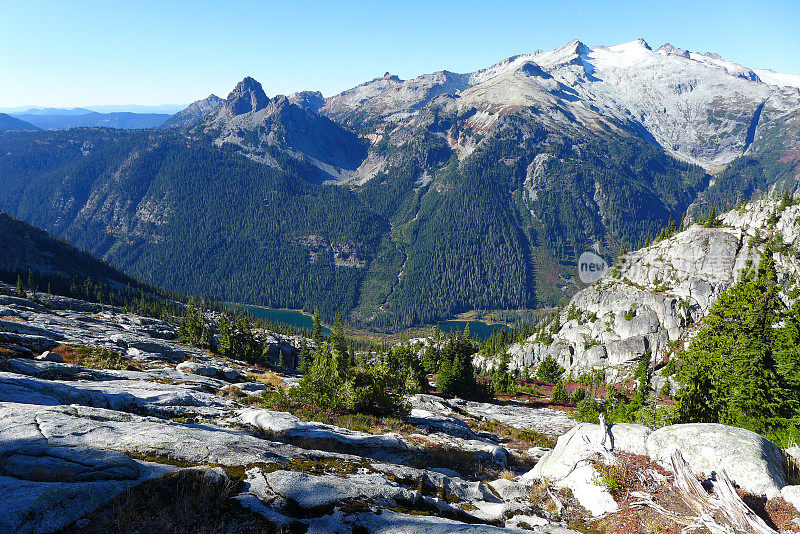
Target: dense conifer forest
(430, 237)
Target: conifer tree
(304, 359)
(21, 290)
(338, 339)
(317, 329)
(195, 330)
(560, 395)
(741, 369)
(712, 221)
(671, 228)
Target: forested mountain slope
(36, 256)
(7, 122)
(192, 218)
(404, 202)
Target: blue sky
(82, 53)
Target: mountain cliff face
(653, 298)
(415, 200)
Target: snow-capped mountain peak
(777, 78)
(623, 55)
(698, 107)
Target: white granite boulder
(753, 462)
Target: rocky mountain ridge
(697, 107)
(192, 113)
(254, 122)
(651, 299)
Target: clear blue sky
(81, 53)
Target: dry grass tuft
(94, 358)
(178, 503)
(268, 378)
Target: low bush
(611, 477)
(549, 370)
(95, 358)
(560, 395)
(333, 384)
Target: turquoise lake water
(290, 317)
(476, 328)
(302, 320)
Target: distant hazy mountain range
(406, 201)
(74, 118)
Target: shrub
(560, 395)
(332, 384)
(611, 477)
(94, 358)
(579, 395)
(183, 501)
(373, 390)
(669, 369)
(630, 314)
(589, 410)
(787, 200)
(457, 374)
(549, 370)
(237, 340)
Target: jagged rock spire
(247, 96)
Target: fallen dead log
(721, 512)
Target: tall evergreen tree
(195, 330)
(20, 289)
(317, 335)
(338, 339)
(740, 369)
(304, 360)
